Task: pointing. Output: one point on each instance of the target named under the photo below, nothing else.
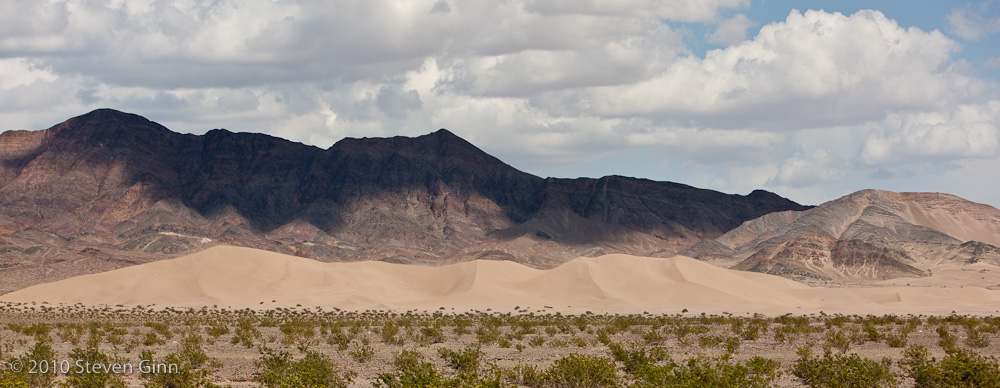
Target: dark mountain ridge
(109, 189)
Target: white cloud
(814, 69)
(816, 100)
(968, 22)
(970, 131)
(731, 31)
(678, 10)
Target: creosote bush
(959, 368)
(276, 369)
(843, 371)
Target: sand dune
(234, 277)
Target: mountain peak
(443, 132)
(106, 123)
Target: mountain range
(109, 189)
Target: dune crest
(234, 277)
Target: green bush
(960, 368)
(275, 369)
(836, 339)
(184, 376)
(636, 358)
(411, 371)
(466, 360)
(582, 371)
(246, 333)
(91, 355)
(526, 375)
(975, 337)
(948, 340)
(41, 351)
(430, 335)
(709, 372)
(843, 371)
(362, 352)
(389, 332)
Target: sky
(809, 99)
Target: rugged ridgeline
(867, 235)
(110, 189)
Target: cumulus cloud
(813, 69)
(970, 131)
(811, 100)
(679, 10)
(731, 31)
(969, 23)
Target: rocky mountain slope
(109, 189)
(867, 235)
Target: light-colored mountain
(231, 277)
(867, 235)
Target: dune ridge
(235, 277)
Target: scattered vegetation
(304, 348)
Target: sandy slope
(241, 277)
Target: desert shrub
(842, 371)
(246, 333)
(871, 333)
(217, 330)
(707, 341)
(276, 369)
(524, 375)
(960, 368)
(115, 337)
(536, 341)
(298, 328)
(579, 371)
(160, 328)
(835, 321)
(636, 358)
(653, 337)
(975, 337)
(36, 330)
(40, 352)
(488, 334)
(947, 339)
(836, 339)
(389, 333)
(430, 335)
(751, 330)
(151, 339)
(362, 352)
(9, 380)
(411, 371)
(70, 333)
(898, 338)
(91, 355)
(338, 338)
(682, 329)
(185, 375)
(711, 372)
(191, 351)
(463, 361)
